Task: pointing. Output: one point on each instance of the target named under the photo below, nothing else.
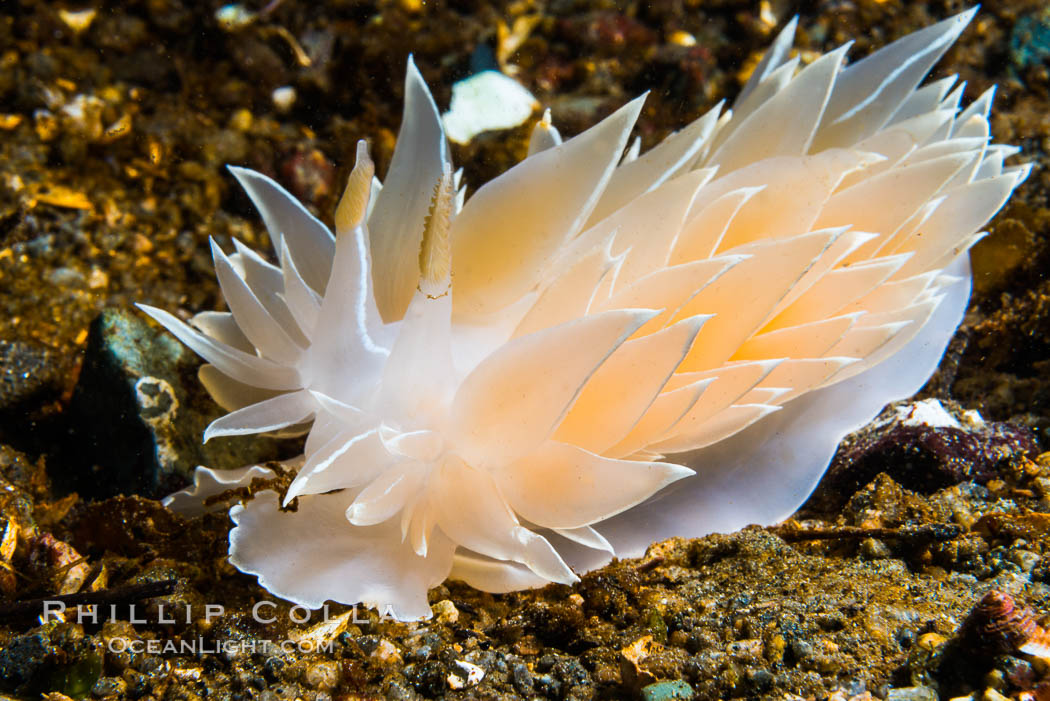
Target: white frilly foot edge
(207, 482)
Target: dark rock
(522, 679)
(26, 474)
(109, 686)
(138, 413)
(396, 691)
(555, 625)
(259, 62)
(760, 679)
(571, 672)
(369, 643)
(172, 15)
(272, 668)
(924, 446)
(122, 32)
(548, 685)
(31, 379)
(26, 375)
(54, 657)
(1019, 673)
(138, 683)
(893, 505)
(149, 65)
(427, 678)
(1030, 39)
(21, 660)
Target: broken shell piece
(486, 101)
(78, 20)
(1037, 644)
(9, 540)
(59, 562)
(632, 662)
(284, 98)
(468, 675)
(321, 635)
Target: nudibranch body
(594, 351)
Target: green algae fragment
(77, 679)
(657, 626)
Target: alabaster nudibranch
(599, 348)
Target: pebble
(284, 98)
(445, 612)
(668, 691)
(322, 676)
(1025, 559)
(749, 649)
(912, 693)
(66, 277)
(522, 678)
(874, 549)
(931, 641)
(466, 676)
(993, 695)
(109, 686)
(386, 652)
(27, 374)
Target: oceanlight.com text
(198, 646)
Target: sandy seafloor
(114, 130)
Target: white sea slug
(594, 351)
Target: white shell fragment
(470, 675)
(486, 101)
(284, 98)
(78, 20)
(593, 351)
(928, 412)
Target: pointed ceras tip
(354, 204)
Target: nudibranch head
(595, 350)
